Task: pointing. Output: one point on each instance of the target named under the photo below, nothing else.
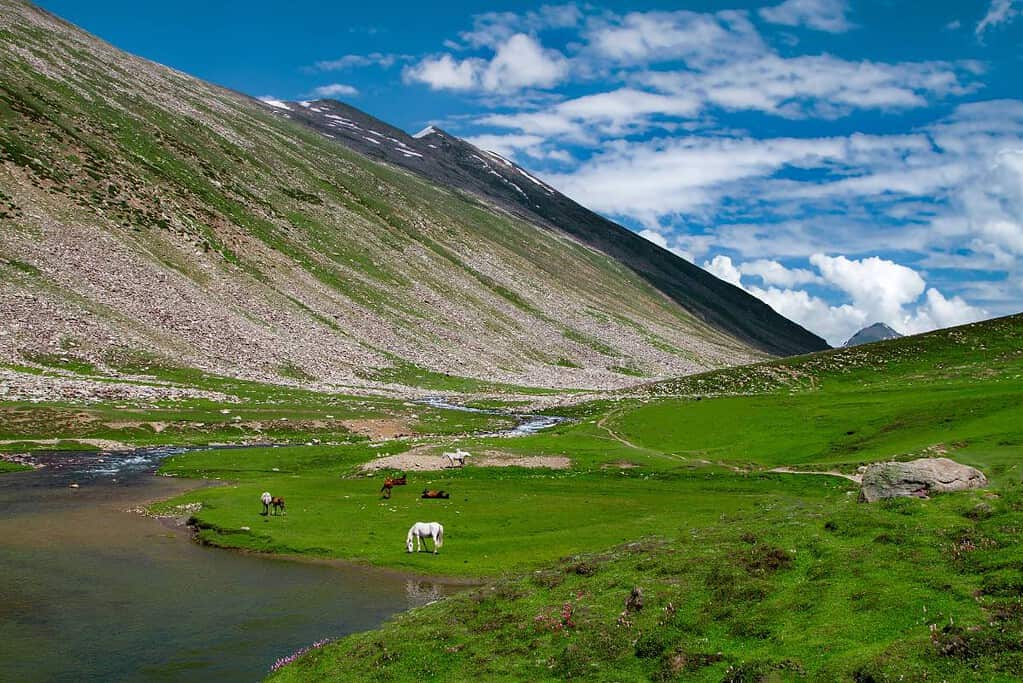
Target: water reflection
(423, 593)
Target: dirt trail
(602, 424)
(425, 458)
(830, 473)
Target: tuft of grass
(292, 371)
(623, 370)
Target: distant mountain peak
(873, 333)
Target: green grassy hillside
(749, 574)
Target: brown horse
(277, 505)
(431, 493)
(391, 482)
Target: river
(91, 592)
(527, 424)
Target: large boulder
(918, 478)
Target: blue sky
(847, 161)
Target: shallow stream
(528, 424)
(92, 592)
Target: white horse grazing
(458, 457)
(423, 530)
(266, 498)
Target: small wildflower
(284, 661)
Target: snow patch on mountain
(275, 103)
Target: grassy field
(497, 520)
(748, 574)
(821, 589)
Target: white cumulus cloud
(878, 286)
(823, 15)
(722, 267)
(335, 89)
(519, 62)
(876, 289)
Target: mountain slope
(872, 333)
(988, 349)
(452, 161)
(149, 218)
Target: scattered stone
(919, 478)
(634, 603)
(19, 386)
(980, 511)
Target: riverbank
(94, 592)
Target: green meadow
(747, 574)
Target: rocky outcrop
(918, 478)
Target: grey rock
(918, 478)
(873, 333)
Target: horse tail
(440, 536)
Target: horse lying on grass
(391, 482)
(430, 493)
(423, 530)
